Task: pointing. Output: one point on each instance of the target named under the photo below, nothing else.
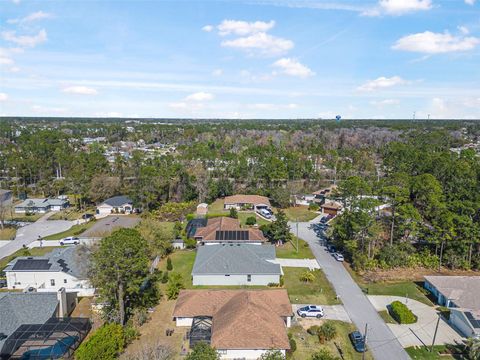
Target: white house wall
(244, 353)
(184, 321)
(235, 280)
(458, 320)
(41, 280)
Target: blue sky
(241, 59)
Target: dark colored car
(3, 283)
(324, 220)
(358, 341)
(331, 249)
(87, 216)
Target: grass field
(300, 213)
(319, 291)
(21, 252)
(405, 288)
(23, 217)
(288, 250)
(71, 214)
(308, 344)
(7, 233)
(423, 353)
(385, 315)
(182, 262)
(75, 230)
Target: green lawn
(182, 262)
(423, 353)
(385, 315)
(308, 344)
(216, 206)
(300, 213)
(71, 214)
(75, 230)
(23, 217)
(404, 288)
(319, 291)
(7, 233)
(21, 252)
(288, 250)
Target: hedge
(401, 313)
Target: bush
(327, 332)
(272, 355)
(203, 351)
(273, 285)
(169, 264)
(175, 284)
(307, 276)
(293, 344)
(251, 220)
(233, 213)
(323, 354)
(106, 343)
(401, 313)
(130, 333)
(314, 330)
(165, 277)
(313, 207)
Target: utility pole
(435, 333)
(365, 341)
(297, 233)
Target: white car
(338, 257)
(310, 311)
(70, 241)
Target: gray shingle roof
(235, 259)
(40, 203)
(59, 260)
(25, 308)
(118, 201)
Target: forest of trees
(434, 192)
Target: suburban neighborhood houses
(352, 245)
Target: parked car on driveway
(358, 341)
(71, 240)
(338, 256)
(3, 283)
(265, 213)
(310, 311)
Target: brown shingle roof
(241, 319)
(208, 233)
(247, 199)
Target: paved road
(381, 341)
(29, 233)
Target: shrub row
(401, 313)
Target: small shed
(178, 244)
(202, 209)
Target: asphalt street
(380, 340)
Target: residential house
(247, 202)
(240, 324)
(61, 268)
(41, 206)
(36, 325)
(236, 264)
(202, 209)
(115, 205)
(461, 295)
(223, 230)
(305, 199)
(331, 208)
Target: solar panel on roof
(475, 323)
(232, 235)
(32, 264)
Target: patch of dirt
(409, 274)
(154, 331)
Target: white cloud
(399, 7)
(5, 60)
(464, 30)
(48, 110)
(385, 102)
(243, 28)
(16, 2)
(80, 90)
(470, 2)
(3, 97)
(435, 43)
(271, 107)
(25, 40)
(208, 28)
(39, 15)
(262, 43)
(178, 105)
(293, 68)
(200, 96)
(217, 72)
(381, 83)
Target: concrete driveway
(303, 263)
(331, 312)
(107, 224)
(30, 233)
(420, 333)
(381, 341)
